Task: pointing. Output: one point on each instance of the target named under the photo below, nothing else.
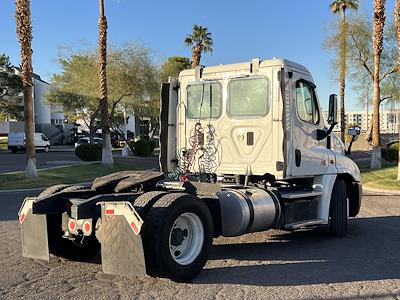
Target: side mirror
(332, 113)
(354, 131)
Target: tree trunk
(24, 33)
(342, 74)
(398, 128)
(379, 23)
(196, 56)
(107, 158)
(368, 137)
(397, 22)
(92, 131)
(29, 133)
(376, 149)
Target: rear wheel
(338, 209)
(144, 202)
(177, 237)
(52, 190)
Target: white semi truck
(244, 148)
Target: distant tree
(10, 91)
(340, 6)
(24, 34)
(379, 23)
(361, 56)
(132, 83)
(5, 62)
(201, 40)
(173, 66)
(360, 62)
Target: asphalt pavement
(13, 162)
(305, 264)
(58, 156)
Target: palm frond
(189, 40)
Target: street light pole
(125, 150)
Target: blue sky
(241, 30)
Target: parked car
(17, 142)
(86, 140)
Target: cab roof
(245, 66)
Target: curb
(22, 190)
(381, 191)
(55, 167)
(39, 188)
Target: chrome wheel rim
(186, 238)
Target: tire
(73, 188)
(162, 236)
(14, 150)
(338, 209)
(52, 190)
(144, 202)
(46, 149)
(63, 247)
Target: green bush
(391, 153)
(143, 147)
(89, 152)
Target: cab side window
(306, 102)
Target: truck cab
(264, 117)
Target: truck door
(310, 155)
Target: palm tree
(340, 6)
(379, 23)
(106, 158)
(201, 40)
(24, 33)
(397, 22)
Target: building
(48, 118)
(43, 112)
(389, 121)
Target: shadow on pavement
(369, 252)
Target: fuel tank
(248, 210)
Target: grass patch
(385, 178)
(73, 174)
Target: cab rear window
(204, 100)
(248, 97)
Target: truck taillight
(72, 225)
(87, 227)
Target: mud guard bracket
(121, 243)
(33, 232)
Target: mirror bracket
(322, 134)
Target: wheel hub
(178, 235)
(186, 238)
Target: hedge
(391, 153)
(89, 152)
(143, 147)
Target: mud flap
(121, 243)
(33, 232)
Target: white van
(16, 142)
